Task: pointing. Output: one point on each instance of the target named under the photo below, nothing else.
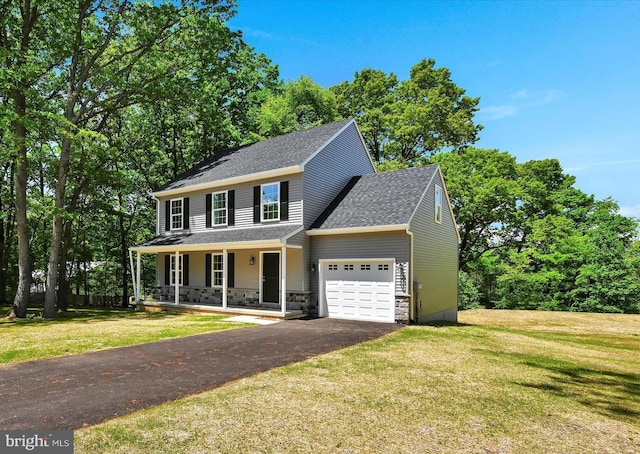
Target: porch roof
(240, 238)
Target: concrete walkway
(82, 390)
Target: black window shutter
(185, 213)
(284, 201)
(167, 214)
(231, 208)
(231, 273)
(207, 270)
(167, 269)
(185, 269)
(208, 203)
(256, 204)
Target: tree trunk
(21, 300)
(62, 302)
(56, 235)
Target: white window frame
(263, 204)
(438, 205)
(172, 270)
(214, 210)
(174, 217)
(219, 272)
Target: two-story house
(303, 223)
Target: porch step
(185, 308)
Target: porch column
(133, 275)
(283, 275)
(176, 277)
(224, 278)
(138, 271)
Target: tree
(369, 98)
(409, 121)
(484, 191)
(302, 104)
(114, 62)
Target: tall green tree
(406, 122)
(301, 105)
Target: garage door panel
(360, 290)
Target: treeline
(101, 102)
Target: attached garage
(358, 289)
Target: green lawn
(499, 382)
(91, 329)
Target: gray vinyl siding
(247, 276)
(435, 258)
(331, 169)
(243, 205)
(385, 245)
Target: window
(270, 202)
(347, 267)
(365, 267)
(172, 273)
(383, 267)
(219, 210)
(217, 264)
(176, 214)
(333, 267)
(438, 204)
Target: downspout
(412, 299)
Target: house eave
(356, 230)
(274, 173)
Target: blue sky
(556, 79)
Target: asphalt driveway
(81, 390)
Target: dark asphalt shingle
(387, 198)
(271, 154)
(260, 233)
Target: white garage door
(359, 290)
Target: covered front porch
(265, 277)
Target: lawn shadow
(81, 314)
(607, 392)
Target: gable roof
(283, 153)
(384, 199)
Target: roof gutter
(275, 173)
(351, 230)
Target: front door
(270, 277)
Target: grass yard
(90, 329)
(499, 382)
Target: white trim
(351, 230)
(437, 206)
(226, 208)
(261, 281)
(138, 272)
(250, 178)
(170, 214)
(262, 202)
(323, 310)
(214, 271)
(283, 281)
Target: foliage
(302, 104)
(468, 296)
(410, 120)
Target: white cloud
(522, 100)
(497, 112)
(631, 211)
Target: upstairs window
(438, 204)
(270, 202)
(219, 209)
(176, 214)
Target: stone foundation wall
(236, 296)
(402, 309)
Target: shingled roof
(276, 153)
(379, 199)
